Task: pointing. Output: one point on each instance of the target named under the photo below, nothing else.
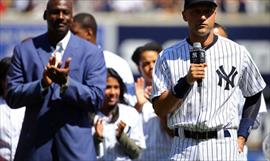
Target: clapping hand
(99, 128)
(54, 73)
(148, 92)
(142, 94)
(120, 128)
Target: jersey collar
(207, 47)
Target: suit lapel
(69, 52)
(44, 49)
(70, 49)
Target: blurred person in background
(101, 5)
(84, 25)
(158, 138)
(118, 131)
(119, 5)
(60, 78)
(2, 7)
(5, 5)
(10, 119)
(24, 5)
(169, 6)
(127, 6)
(220, 30)
(243, 6)
(231, 5)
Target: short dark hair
(151, 46)
(4, 66)
(49, 3)
(86, 20)
(217, 25)
(112, 73)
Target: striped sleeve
(161, 78)
(251, 82)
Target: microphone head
(197, 45)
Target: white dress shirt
(10, 128)
(61, 47)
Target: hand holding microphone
(197, 60)
(195, 73)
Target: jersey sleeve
(161, 80)
(251, 81)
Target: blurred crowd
(169, 6)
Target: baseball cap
(189, 3)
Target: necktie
(58, 53)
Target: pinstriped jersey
(214, 105)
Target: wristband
(182, 88)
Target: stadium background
(126, 24)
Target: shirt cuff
(64, 86)
(43, 89)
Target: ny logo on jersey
(228, 78)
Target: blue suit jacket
(56, 125)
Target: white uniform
(121, 66)
(10, 128)
(110, 148)
(213, 107)
(158, 142)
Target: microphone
(197, 56)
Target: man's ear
(184, 16)
(45, 15)
(90, 32)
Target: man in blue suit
(57, 96)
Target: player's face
(201, 19)
(59, 16)
(146, 65)
(112, 92)
(76, 29)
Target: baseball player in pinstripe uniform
(205, 118)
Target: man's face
(201, 19)
(59, 16)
